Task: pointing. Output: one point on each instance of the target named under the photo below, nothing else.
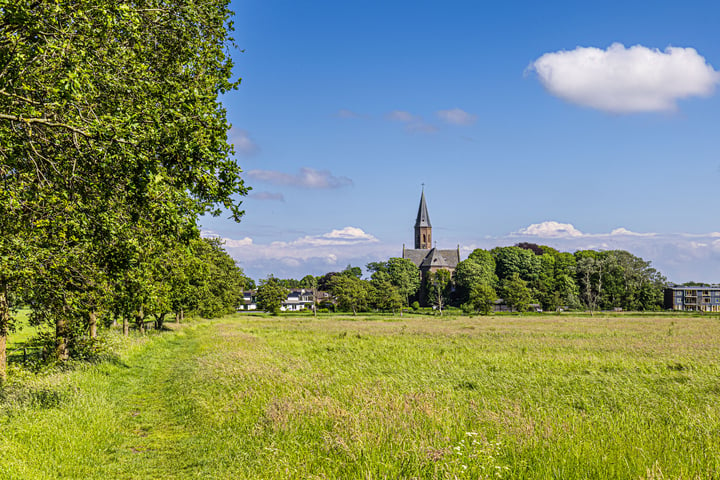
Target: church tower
(423, 228)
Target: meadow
(250, 396)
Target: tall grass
(381, 397)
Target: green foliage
(350, 292)
(351, 271)
(270, 295)
(478, 268)
(401, 273)
(112, 142)
(482, 298)
(438, 286)
(516, 293)
(384, 296)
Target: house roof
(423, 218)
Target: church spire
(423, 227)
(423, 219)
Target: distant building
(426, 257)
(692, 299)
(297, 299)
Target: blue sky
(560, 123)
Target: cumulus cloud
(345, 236)
(267, 196)
(551, 230)
(306, 178)
(457, 116)
(626, 80)
(234, 243)
(314, 254)
(242, 142)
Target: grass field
(380, 397)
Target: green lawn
(381, 397)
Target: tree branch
(42, 121)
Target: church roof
(416, 255)
(423, 219)
(433, 257)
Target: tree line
(522, 276)
(528, 273)
(112, 143)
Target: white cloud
(242, 142)
(243, 242)
(306, 177)
(457, 116)
(413, 123)
(267, 196)
(626, 232)
(551, 230)
(402, 116)
(315, 254)
(626, 80)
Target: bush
(415, 305)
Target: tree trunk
(159, 321)
(4, 327)
(62, 351)
(126, 326)
(93, 324)
(140, 319)
(314, 302)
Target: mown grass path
(379, 397)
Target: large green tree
(350, 292)
(477, 269)
(109, 117)
(270, 295)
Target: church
(426, 257)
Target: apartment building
(693, 299)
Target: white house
(298, 299)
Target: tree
(590, 271)
(350, 292)
(512, 260)
(352, 271)
(405, 276)
(270, 295)
(482, 298)
(109, 119)
(439, 286)
(478, 268)
(383, 295)
(309, 282)
(516, 292)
